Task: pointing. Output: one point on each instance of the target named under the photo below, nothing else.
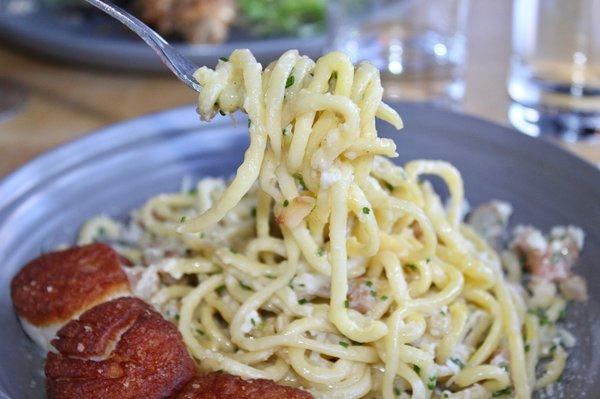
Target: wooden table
(65, 102)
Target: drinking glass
(554, 82)
(419, 46)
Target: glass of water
(554, 83)
(419, 46)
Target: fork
(182, 67)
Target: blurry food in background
(212, 21)
(419, 46)
(283, 17)
(196, 21)
(555, 72)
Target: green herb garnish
(344, 344)
(432, 382)
(366, 210)
(502, 392)
(541, 314)
(417, 369)
(346, 304)
(245, 286)
(285, 203)
(302, 301)
(224, 59)
(289, 81)
(300, 179)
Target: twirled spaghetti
(323, 265)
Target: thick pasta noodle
(321, 264)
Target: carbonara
(323, 265)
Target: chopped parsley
(346, 304)
(411, 266)
(503, 392)
(300, 179)
(397, 391)
(222, 112)
(458, 362)
(289, 81)
(182, 219)
(220, 289)
(302, 301)
(320, 252)
(199, 332)
(366, 210)
(443, 312)
(253, 212)
(344, 344)
(416, 368)
(432, 382)
(369, 283)
(541, 314)
(249, 122)
(253, 322)
(245, 286)
(101, 232)
(270, 276)
(556, 258)
(224, 59)
(389, 186)
(562, 315)
(177, 317)
(384, 298)
(285, 203)
(527, 347)
(556, 345)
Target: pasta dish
(323, 265)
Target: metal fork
(178, 64)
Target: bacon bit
(297, 210)
(550, 258)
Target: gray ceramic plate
(116, 169)
(94, 39)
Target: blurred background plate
(118, 168)
(91, 38)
